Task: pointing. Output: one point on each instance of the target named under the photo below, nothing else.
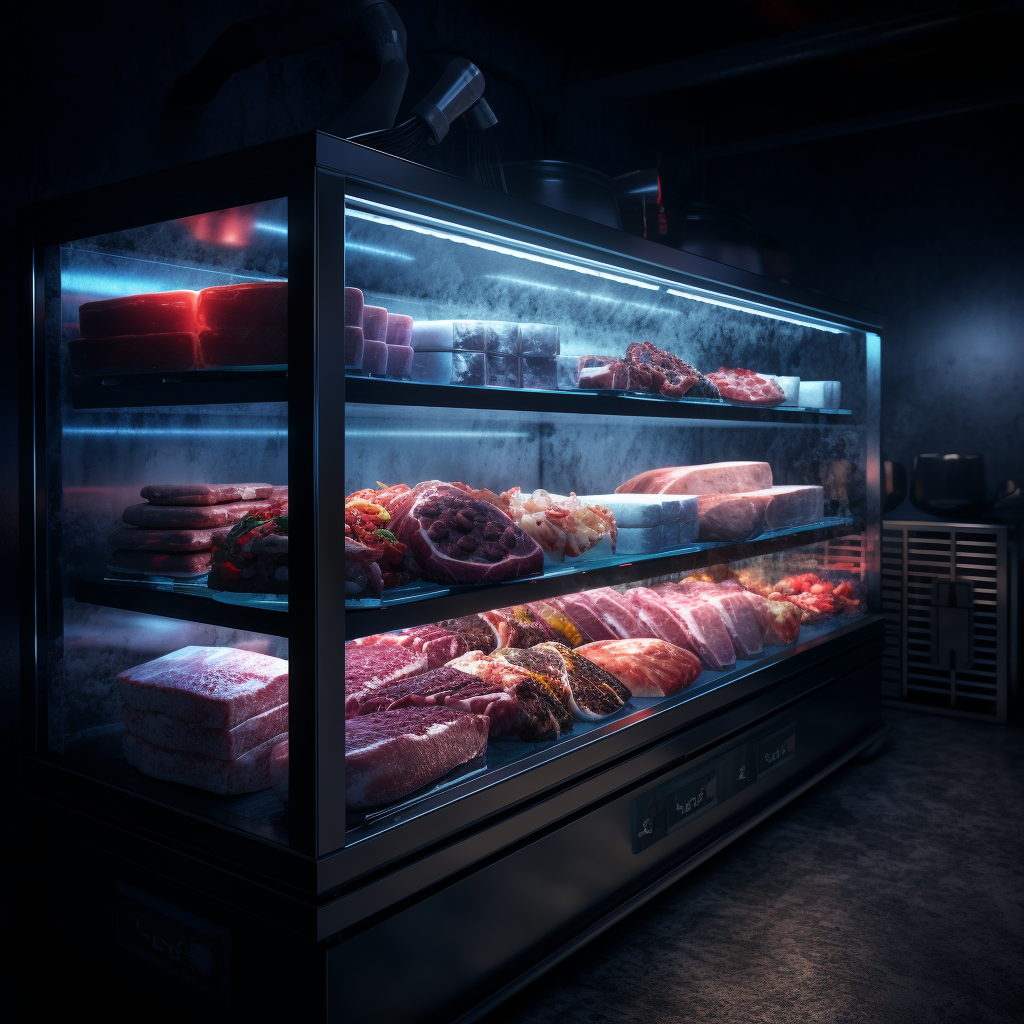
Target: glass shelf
(422, 602)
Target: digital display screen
(692, 797)
(776, 749)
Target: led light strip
(171, 432)
(273, 229)
(580, 295)
(515, 434)
(504, 250)
(756, 312)
(375, 251)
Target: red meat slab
(142, 353)
(154, 313)
(260, 304)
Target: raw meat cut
(614, 611)
(783, 626)
(354, 308)
(399, 331)
(456, 539)
(710, 478)
(516, 702)
(593, 693)
(131, 538)
(134, 353)
(544, 664)
(353, 347)
(391, 754)
(153, 313)
(156, 563)
(746, 630)
(660, 621)
(588, 621)
(279, 771)
(246, 774)
(649, 667)
(210, 687)
(192, 517)
(747, 387)
(704, 624)
(596, 375)
(730, 517)
(680, 378)
(243, 347)
(428, 688)
(792, 506)
(476, 631)
(558, 622)
(438, 644)
(204, 494)
(259, 304)
(227, 744)
(370, 668)
(375, 323)
(515, 626)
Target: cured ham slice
(391, 754)
(710, 478)
(209, 687)
(152, 313)
(747, 387)
(659, 620)
(649, 667)
(204, 494)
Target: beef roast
(209, 687)
(246, 774)
(391, 754)
(457, 539)
(711, 478)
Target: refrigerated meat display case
(606, 595)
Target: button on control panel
(679, 800)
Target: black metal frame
(316, 172)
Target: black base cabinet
(217, 942)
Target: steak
(615, 612)
(432, 687)
(226, 744)
(371, 668)
(545, 665)
(650, 668)
(246, 774)
(391, 754)
(746, 630)
(131, 538)
(659, 620)
(557, 621)
(209, 687)
(747, 387)
(204, 494)
(192, 517)
(590, 622)
(457, 539)
(476, 631)
(704, 624)
(515, 626)
(154, 313)
(711, 478)
(593, 693)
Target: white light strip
(581, 295)
(171, 432)
(504, 250)
(274, 229)
(755, 312)
(516, 434)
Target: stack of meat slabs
(648, 523)
(736, 501)
(206, 717)
(174, 331)
(171, 533)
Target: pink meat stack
(377, 342)
(177, 331)
(208, 717)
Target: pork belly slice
(710, 478)
(246, 774)
(204, 494)
(593, 693)
(392, 754)
(649, 667)
(225, 744)
(368, 669)
(209, 687)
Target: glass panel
(166, 560)
(549, 675)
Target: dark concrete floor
(892, 892)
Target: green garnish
(386, 535)
(282, 521)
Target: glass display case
(610, 515)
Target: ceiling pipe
(780, 51)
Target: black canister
(948, 485)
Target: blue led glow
(517, 434)
(273, 229)
(172, 432)
(377, 251)
(92, 283)
(579, 295)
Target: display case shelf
(200, 387)
(257, 613)
(605, 402)
(420, 603)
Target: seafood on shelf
(562, 525)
